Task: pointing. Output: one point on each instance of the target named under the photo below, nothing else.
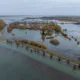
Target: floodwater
(14, 65)
(66, 47)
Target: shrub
(2, 24)
(37, 44)
(57, 28)
(9, 29)
(21, 26)
(74, 67)
(79, 66)
(55, 42)
(65, 35)
(51, 37)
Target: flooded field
(18, 62)
(66, 47)
(17, 66)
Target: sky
(39, 7)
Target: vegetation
(21, 26)
(43, 33)
(43, 37)
(65, 36)
(68, 61)
(51, 37)
(37, 44)
(59, 58)
(48, 33)
(51, 26)
(2, 24)
(54, 41)
(78, 43)
(51, 56)
(40, 47)
(75, 39)
(79, 66)
(57, 28)
(15, 25)
(9, 29)
(64, 29)
(74, 67)
(34, 26)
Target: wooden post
(59, 58)
(37, 51)
(68, 61)
(26, 47)
(79, 66)
(74, 67)
(17, 44)
(51, 56)
(31, 50)
(43, 53)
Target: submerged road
(17, 63)
(17, 66)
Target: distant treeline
(67, 18)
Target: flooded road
(17, 66)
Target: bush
(51, 26)
(35, 27)
(65, 35)
(64, 29)
(55, 42)
(57, 28)
(15, 25)
(37, 44)
(9, 29)
(2, 24)
(51, 37)
(21, 26)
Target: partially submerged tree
(2, 24)
(54, 42)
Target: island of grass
(54, 42)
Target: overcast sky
(39, 7)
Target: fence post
(79, 66)
(51, 56)
(68, 61)
(74, 67)
(59, 58)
